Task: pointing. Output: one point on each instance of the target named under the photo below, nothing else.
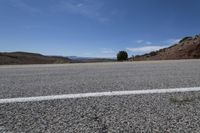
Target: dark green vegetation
(185, 39)
(122, 56)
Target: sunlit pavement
(165, 112)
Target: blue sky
(95, 28)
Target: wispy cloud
(21, 4)
(139, 41)
(90, 8)
(168, 41)
(146, 49)
(107, 51)
(143, 42)
(147, 46)
(148, 42)
(171, 41)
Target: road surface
(150, 112)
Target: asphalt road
(174, 112)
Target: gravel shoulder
(178, 112)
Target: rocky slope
(187, 48)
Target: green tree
(122, 56)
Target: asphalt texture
(175, 112)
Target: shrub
(153, 53)
(137, 56)
(122, 56)
(185, 38)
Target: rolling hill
(30, 58)
(187, 48)
(14, 58)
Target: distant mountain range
(187, 48)
(90, 59)
(11, 58)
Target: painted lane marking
(97, 94)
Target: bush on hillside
(185, 39)
(153, 53)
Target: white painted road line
(97, 94)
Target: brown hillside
(29, 58)
(187, 48)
